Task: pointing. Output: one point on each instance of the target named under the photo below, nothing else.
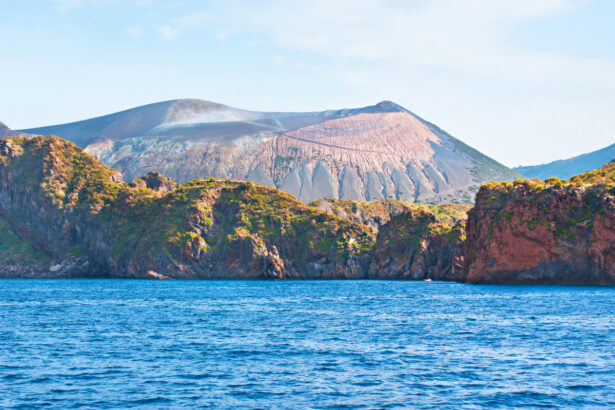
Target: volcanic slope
(377, 152)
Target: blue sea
(304, 344)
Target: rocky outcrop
(78, 213)
(377, 213)
(415, 241)
(20, 257)
(156, 182)
(377, 152)
(65, 214)
(416, 245)
(551, 232)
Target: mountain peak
(198, 104)
(389, 106)
(374, 152)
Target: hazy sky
(524, 81)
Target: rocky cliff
(415, 241)
(544, 232)
(377, 152)
(417, 245)
(377, 213)
(64, 214)
(70, 207)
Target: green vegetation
(13, 249)
(406, 230)
(268, 215)
(603, 176)
(559, 206)
(414, 228)
(154, 219)
(379, 212)
(414, 240)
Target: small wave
(151, 400)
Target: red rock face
(529, 234)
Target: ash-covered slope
(377, 152)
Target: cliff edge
(544, 232)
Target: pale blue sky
(524, 81)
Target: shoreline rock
(534, 232)
(65, 214)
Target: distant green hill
(567, 168)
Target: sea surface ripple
(304, 344)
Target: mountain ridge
(382, 151)
(566, 168)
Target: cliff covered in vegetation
(70, 207)
(377, 213)
(544, 232)
(415, 241)
(65, 214)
